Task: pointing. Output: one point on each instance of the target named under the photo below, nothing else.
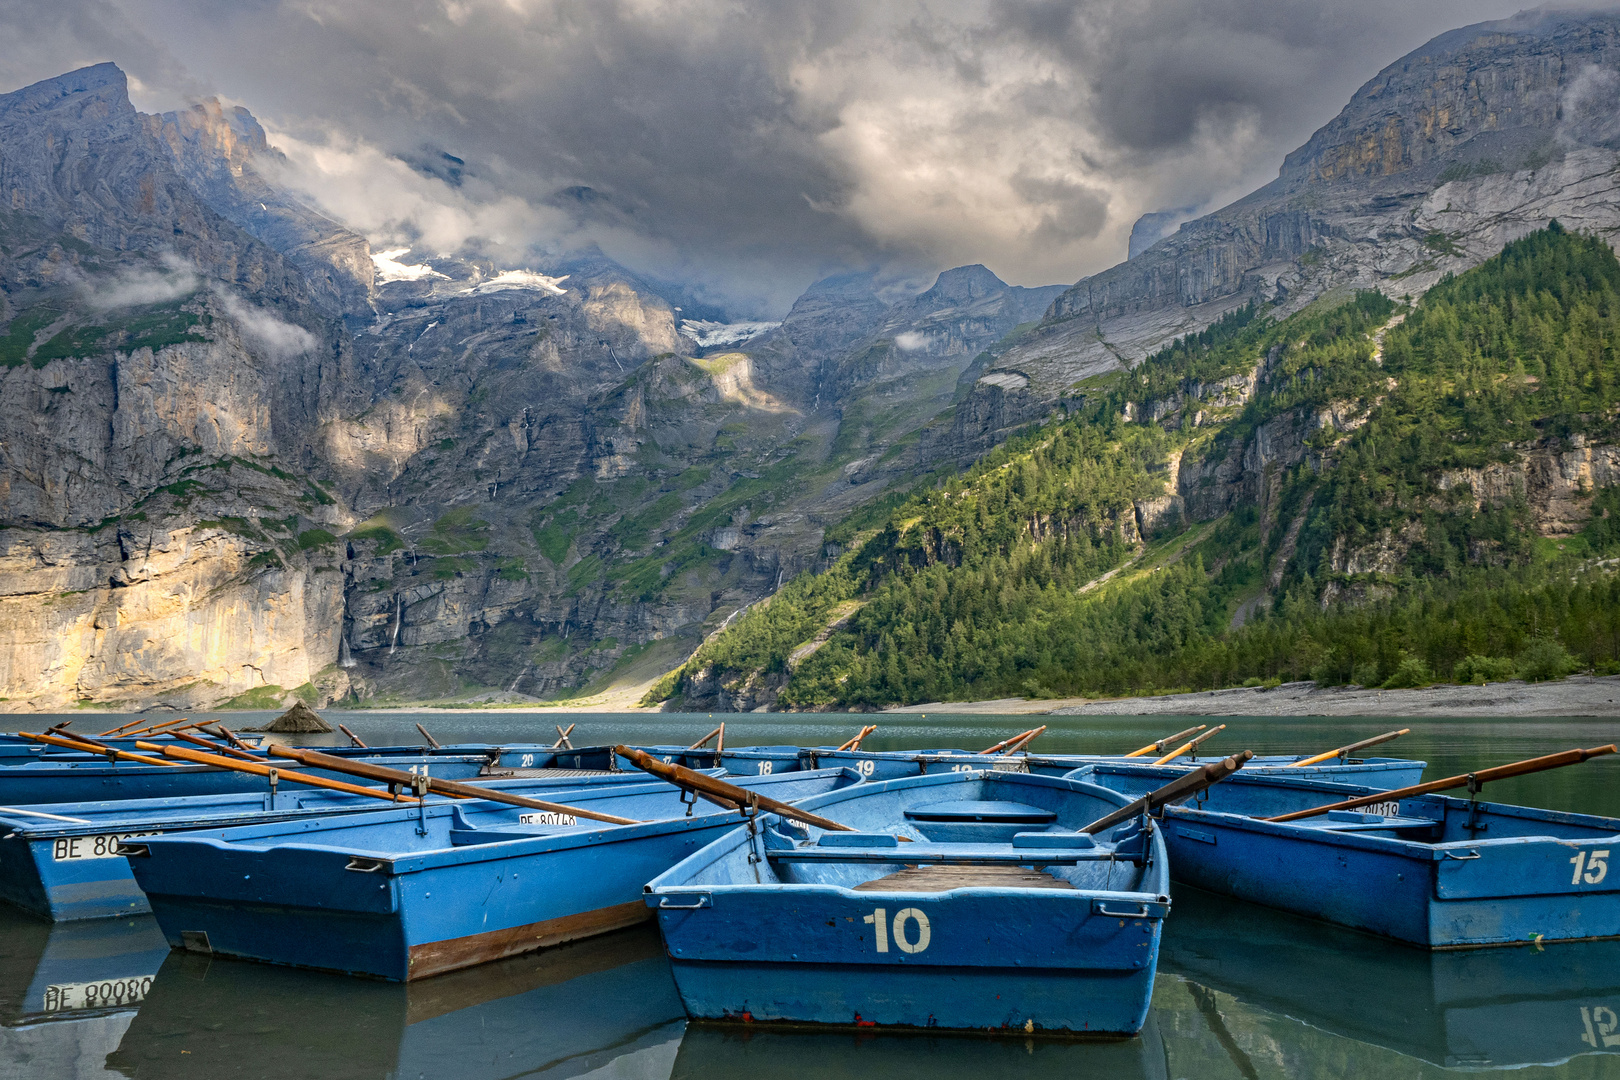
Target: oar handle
(1168, 740)
(707, 737)
(1498, 772)
(1182, 787)
(855, 743)
(1191, 744)
(707, 785)
(431, 740)
(1004, 743)
(1024, 740)
(89, 747)
(353, 738)
(1346, 751)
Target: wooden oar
(1004, 743)
(317, 760)
(353, 738)
(855, 743)
(1024, 740)
(697, 782)
(230, 737)
(1346, 751)
(1168, 740)
(84, 745)
(1190, 745)
(161, 726)
(240, 755)
(717, 731)
(138, 722)
(562, 742)
(429, 738)
(199, 757)
(1499, 772)
(1180, 788)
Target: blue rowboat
(605, 1004)
(404, 894)
(998, 914)
(97, 780)
(1431, 870)
(1385, 773)
(1490, 1009)
(61, 861)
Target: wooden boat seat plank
(929, 879)
(929, 853)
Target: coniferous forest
(1407, 541)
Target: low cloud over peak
(750, 148)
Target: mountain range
(244, 457)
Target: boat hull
(65, 873)
(355, 896)
(839, 929)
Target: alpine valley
(1361, 426)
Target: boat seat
(986, 811)
(931, 879)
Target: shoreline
(1577, 695)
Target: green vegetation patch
(456, 533)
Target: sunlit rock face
(1477, 138)
(222, 153)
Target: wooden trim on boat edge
(438, 957)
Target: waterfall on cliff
(345, 659)
(399, 619)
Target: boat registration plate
(101, 994)
(547, 817)
(105, 846)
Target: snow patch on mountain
(522, 279)
(389, 268)
(708, 333)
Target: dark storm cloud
(750, 147)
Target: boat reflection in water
(68, 992)
(1503, 1008)
(563, 1012)
(734, 1052)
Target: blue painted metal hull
(64, 872)
(785, 924)
(370, 894)
(97, 781)
(1411, 870)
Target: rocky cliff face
(222, 153)
(161, 374)
(1478, 137)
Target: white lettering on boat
(865, 766)
(525, 761)
(1596, 865)
(62, 997)
(765, 768)
(1382, 809)
(879, 922)
(71, 848)
(924, 932)
(547, 817)
(1601, 1024)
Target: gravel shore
(1578, 695)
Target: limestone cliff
(1478, 137)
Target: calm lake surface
(1242, 992)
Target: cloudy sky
(748, 148)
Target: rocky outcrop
(222, 154)
(1477, 138)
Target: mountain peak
(965, 283)
(103, 83)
